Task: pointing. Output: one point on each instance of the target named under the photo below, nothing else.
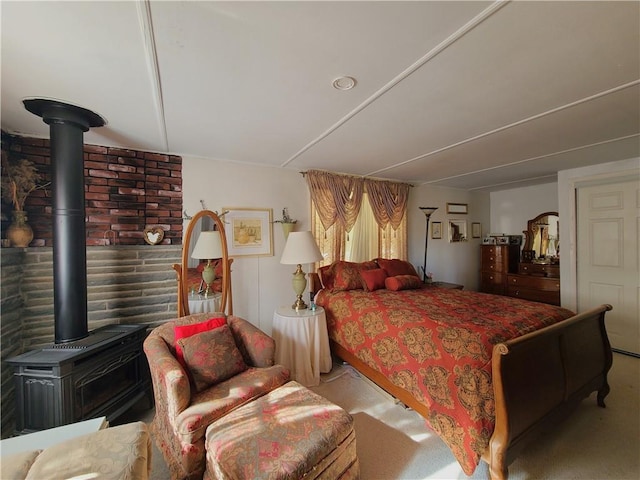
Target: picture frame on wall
(249, 231)
(476, 230)
(457, 208)
(436, 230)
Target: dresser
(497, 261)
(537, 282)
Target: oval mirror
(204, 274)
(542, 238)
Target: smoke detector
(344, 83)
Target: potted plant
(19, 179)
(287, 222)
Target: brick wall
(126, 191)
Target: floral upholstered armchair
(219, 369)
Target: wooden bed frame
(538, 380)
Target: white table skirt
(302, 343)
(199, 304)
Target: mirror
(542, 239)
(204, 220)
(457, 230)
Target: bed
(487, 372)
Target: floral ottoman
(289, 433)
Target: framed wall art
(457, 231)
(436, 230)
(476, 230)
(249, 231)
(457, 208)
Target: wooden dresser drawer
(492, 278)
(548, 284)
(539, 269)
(543, 296)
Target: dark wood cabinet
(538, 289)
(497, 261)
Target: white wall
(449, 262)
(259, 284)
(512, 209)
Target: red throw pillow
(373, 279)
(185, 331)
(397, 267)
(212, 357)
(402, 282)
(326, 276)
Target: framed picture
(436, 230)
(489, 241)
(249, 231)
(476, 230)
(457, 231)
(457, 208)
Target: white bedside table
(200, 304)
(302, 343)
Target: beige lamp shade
(300, 248)
(208, 247)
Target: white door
(608, 225)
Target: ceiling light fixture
(344, 83)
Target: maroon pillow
(185, 331)
(212, 357)
(397, 267)
(373, 279)
(326, 276)
(402, 282)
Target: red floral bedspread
(436, 343)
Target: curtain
(362, 244)
(379, 226)
(337, 198)
(388, 201)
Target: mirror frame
(226, 303)
(528, 234)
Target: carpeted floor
(394, 443)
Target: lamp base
(299, 284)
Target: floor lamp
(428, 211)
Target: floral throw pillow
(373, 279)
(212, 357)
(184, 331)
(402, 282)
(347, 275)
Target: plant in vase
(19, 179)
(287, 222)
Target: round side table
(302, 343)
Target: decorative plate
(154, 235)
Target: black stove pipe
(67, 123)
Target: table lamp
(208, 247)
(300, 248)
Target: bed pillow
(211, 357)
(347, 275)
(326, 276)
(397, 267)
(373, 279)
(402, 282)
(185, 331)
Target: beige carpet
(394, 443)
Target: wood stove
(102, 375)
(83, 374)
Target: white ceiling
(472, 95)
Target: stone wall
(125, 284)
